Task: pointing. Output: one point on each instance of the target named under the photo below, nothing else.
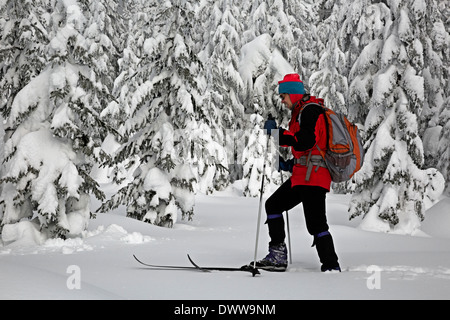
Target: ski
(246, 268)
(197, 267)
(163, 267)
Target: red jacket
(303, 136)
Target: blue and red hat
(291, 84)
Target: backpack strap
(309, 104)
(313, 160)
(310, 161)
(327, 125)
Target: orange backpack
(345, 153)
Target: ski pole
(288, 229)
(260, 202)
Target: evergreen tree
(262, 66)
(163, 123)
(104, 31)
(330, 81)
(443, 163)
(361, 33)
(254, 155)
(304, 53)
(135, 27)
(358, 32)
(23, 39)
(257, 22)
(280, 27)
(429, 44)
(393, 191)
(57, 132)
(435, 38)
(222, 108)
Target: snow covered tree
(222, 108)
(104, 33)
(276, 39)
(435, 39)
(150, 197)
(357, 34)
(255, 158)
(429, 42)
(444, 8)
(141, 120)
(135, 29)
(393, 189)
(164, 105)
(257, 22)
(280, 38)
(442, 144)
(304, 53)
(23, 40)
(280, 27)
(261, 67)
(330, 81)
(56, 133)
(360, 35)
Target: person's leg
(314, 208)
(284, 198)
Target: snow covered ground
(100, 265)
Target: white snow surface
(100, 264)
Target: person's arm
(305, 138)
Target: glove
(285, 165)
(270, 124)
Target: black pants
(313, 200)
(286, 198)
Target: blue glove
(285, 165)
(270, 124)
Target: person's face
(286, 100)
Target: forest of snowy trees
(170, 98)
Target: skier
(310, 180)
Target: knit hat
(291, 84)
